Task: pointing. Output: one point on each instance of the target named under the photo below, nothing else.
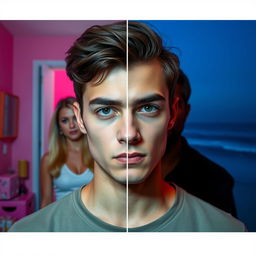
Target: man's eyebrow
(148, 99)
(105, 101)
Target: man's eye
(105, 112)
(149, 109)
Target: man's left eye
(149, 109)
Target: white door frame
(37, 122)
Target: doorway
(43, 107)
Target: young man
(127, 129)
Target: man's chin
(135, 180)
(133, 177)
(130, 180)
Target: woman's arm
(45, 182)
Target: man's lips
(130, 158)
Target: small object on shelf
(23, 168)
(9, 185)
(23, 174)
(22, 188)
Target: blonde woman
(66, 166)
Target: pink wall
(6, 62)
(26, 50)
(63, 86)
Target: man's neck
(106, 199)
(147, 201)
(150, 200)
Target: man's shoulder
(208, 217)
(44, 219)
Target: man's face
(135, 136)
(148, 99)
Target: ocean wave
(221, 133)
(230, 146)
(238, 129)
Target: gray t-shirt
(188, 214)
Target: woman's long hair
(57, 155)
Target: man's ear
(173, 112)
(77, 111)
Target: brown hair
(183, 81)
(94, 54)
(144, 45)
(101, 48)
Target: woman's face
(68, 124)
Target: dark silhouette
(191, 170)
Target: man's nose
(129, 131)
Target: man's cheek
(93, 142)
(158, 141)
(157, 133)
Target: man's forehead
(142, 80)
(147, 78)
(114, 86)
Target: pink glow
(63, 86)
(26, 50)
(6, 62)
(56, 86)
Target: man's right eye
(105, 113)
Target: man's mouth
(130, 158)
